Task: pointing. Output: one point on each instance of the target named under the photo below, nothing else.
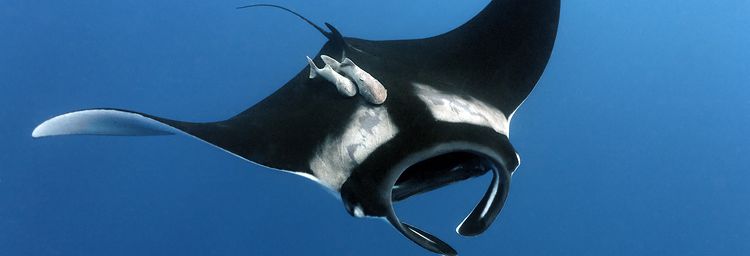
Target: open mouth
(442, 170)
(437, 172)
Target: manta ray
(382, 121)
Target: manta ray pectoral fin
(118, 122)
(103, 122)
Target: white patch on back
(334, 160)
(458, 109)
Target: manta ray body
(445, 117)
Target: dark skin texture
(497, 58)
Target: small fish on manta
(343, 84)
(371, 89)
(444, 118)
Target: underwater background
(634, 142)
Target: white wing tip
(38, 132)
(102, 122)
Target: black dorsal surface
(446, 117)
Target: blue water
(635, 141)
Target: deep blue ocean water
(634, 142)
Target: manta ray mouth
(437, 172)
(441, 170)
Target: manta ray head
(368, 193)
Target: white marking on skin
(358, 212)
(345, 86)
(371, 89)
(458, 109)
(368, 129)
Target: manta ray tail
(334, 35)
